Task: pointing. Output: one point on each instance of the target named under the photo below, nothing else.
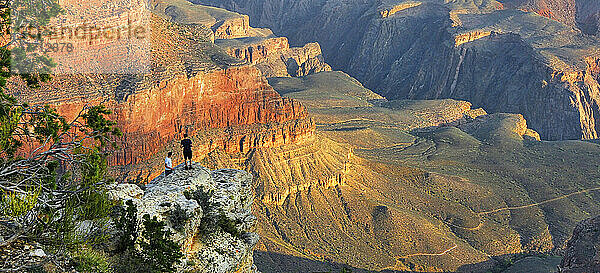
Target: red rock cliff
(224, 106)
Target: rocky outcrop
(500, 128)
(171, 199)
(274, 57)
(390, 10)
(582, 254)
(224, 24)
(304, 60)
(256, 50)
(238, 27)
(464, 38)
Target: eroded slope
(384, 178)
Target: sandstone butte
(192, 87)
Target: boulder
(208, 213)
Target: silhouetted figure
(186, 143)
(169, 164)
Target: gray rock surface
(213, 235)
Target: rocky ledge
(208, 212)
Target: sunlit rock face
(193, 87)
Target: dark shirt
(187, 145)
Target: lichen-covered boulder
(208, 212)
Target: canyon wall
(419, 52)
(232, 109)
(194, 88)
(427, 186)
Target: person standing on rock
(186, 143)
(169, 164)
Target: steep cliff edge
(206, 248)
(581, 254)
(192, 86)
(438, 50)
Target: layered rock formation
(412, 54)
(191, 87)
(259, 47)
(206, 248)
(582, 252)
(274, 58)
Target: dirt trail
(430, 254)
(539, 203)
(521, 207)
(399, 259)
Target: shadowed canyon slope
(504, 60)
(582, 248)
